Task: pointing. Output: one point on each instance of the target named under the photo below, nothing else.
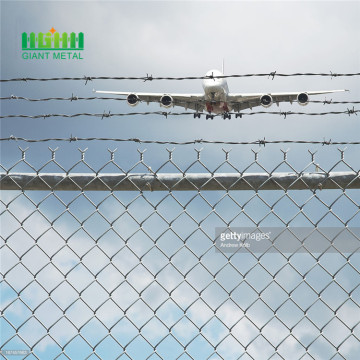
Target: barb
(148, 78)
(87, 78)
(272, 75)
(352, 111)
(74, 97)
(151, 78)
(327, 142)
(262, 142)
(105, 115)
(73, 138)
(285, 113)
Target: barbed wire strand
(75, 98)
(151, 78)
(196, 141)
(166, 114)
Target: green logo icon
(52, 40)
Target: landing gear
(226, 116)
(197, 115)
(210, 117)
(238, 115)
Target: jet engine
(166, 101)
(303, 99)
(132, 99)
(266, 101)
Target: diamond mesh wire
(135, 274)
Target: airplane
(216, 98)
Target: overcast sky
(178, 39)
(184, 39)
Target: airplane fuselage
(216, 91)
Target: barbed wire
(72, 98)
(75, 98)
(195, 114)
(151, 78)
(328, 102)
(196, 141)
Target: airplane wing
(247, 101)
(187, 101)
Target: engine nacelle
(132, 99)
(166, 101)
(266, 101)
(303, 99)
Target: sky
(173, 39)
(187, 39)
(184, 39)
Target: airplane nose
(212, 83)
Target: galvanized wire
(169, 113)
(261, 142)
(151, 78)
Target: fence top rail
(180, 181)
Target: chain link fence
(121, 260)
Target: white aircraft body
(216, 98)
